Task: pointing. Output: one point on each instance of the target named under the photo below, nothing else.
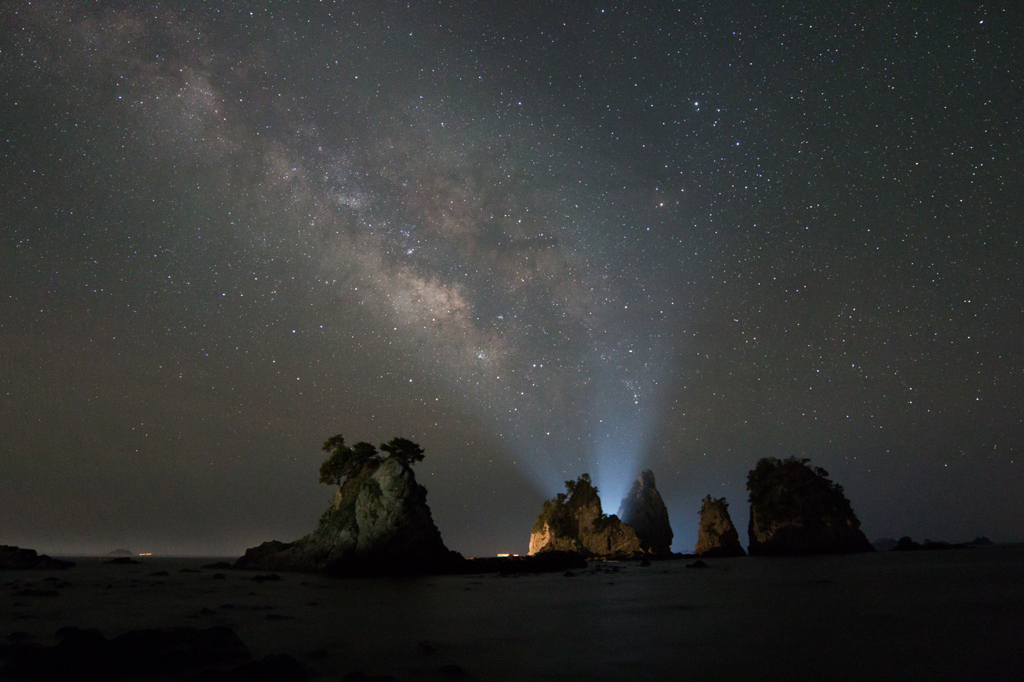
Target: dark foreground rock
(16, 558)
(378, 524)
(797, 510)
(574, 522)
(644, 511)
(717, 536)
(211, 654)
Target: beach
(942, 615)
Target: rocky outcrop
(16, 558)
(378, 522)
(574, 522)
(645, 512)
(797, 510)
(716, 536)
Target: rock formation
(17, 558)
(378, 522)
(716, 536)
(574, 522)
(797, 510)
(643, 510)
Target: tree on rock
(344, 461)
(573, 521)
(716, 536)
(378, 522)
(403, 450)
(795, 509)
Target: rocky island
(797, 510)
(377, 523)
(717, 536)
(644, 511)
(573, 521)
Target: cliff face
(576, 523)
(379, 521)
(716, 536)
(797, 510)
(645, 512)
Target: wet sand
(949, 615)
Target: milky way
(538, 242)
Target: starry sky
(538, 238)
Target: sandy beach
(929, 615)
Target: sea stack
(716, 536)
(644, 511)
(573, 521)
(378, 523)
(797, 510)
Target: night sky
(538, 238)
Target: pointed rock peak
(645, 511)
(646, 479)
(716, 535)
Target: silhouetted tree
(404, 450)
(582, 484)
(559, 511)
(363, 452)
(344, 461)
(784, 488)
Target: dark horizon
(538, 242)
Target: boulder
(645, 512)
(797, 510)
(378, 523)
(716, 536)
(574, 522)
(16, 558)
